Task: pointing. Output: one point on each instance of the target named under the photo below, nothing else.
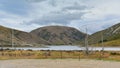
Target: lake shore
(65, 47)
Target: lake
(66, 47)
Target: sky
(27, 15)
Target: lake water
(67, 47)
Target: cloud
(103, 9)
(75, 13)
(12, 20)
(57, 18)
(35, 1)
(75, 6)
(53, 3)
(16, 7)
(56, 12)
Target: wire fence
(88, 41)
(52, 54)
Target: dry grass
(21, 54)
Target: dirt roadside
(57, 63)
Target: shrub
(114, 53)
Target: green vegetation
(113, 43)
(111, 36)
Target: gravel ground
(57, 63)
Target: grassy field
(113, 43)
(29, 54)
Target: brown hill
(111, 36)
(19, 37)
(59, 34)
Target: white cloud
(102, 9)
(76, 13)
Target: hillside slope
(19, 37)
(112, 34)
(59, 34)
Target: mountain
(20, 38)
(59, 35)
(111, 36)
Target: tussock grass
(21, 54)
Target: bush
(114, 53)
(29, 50)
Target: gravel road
(57, 63)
